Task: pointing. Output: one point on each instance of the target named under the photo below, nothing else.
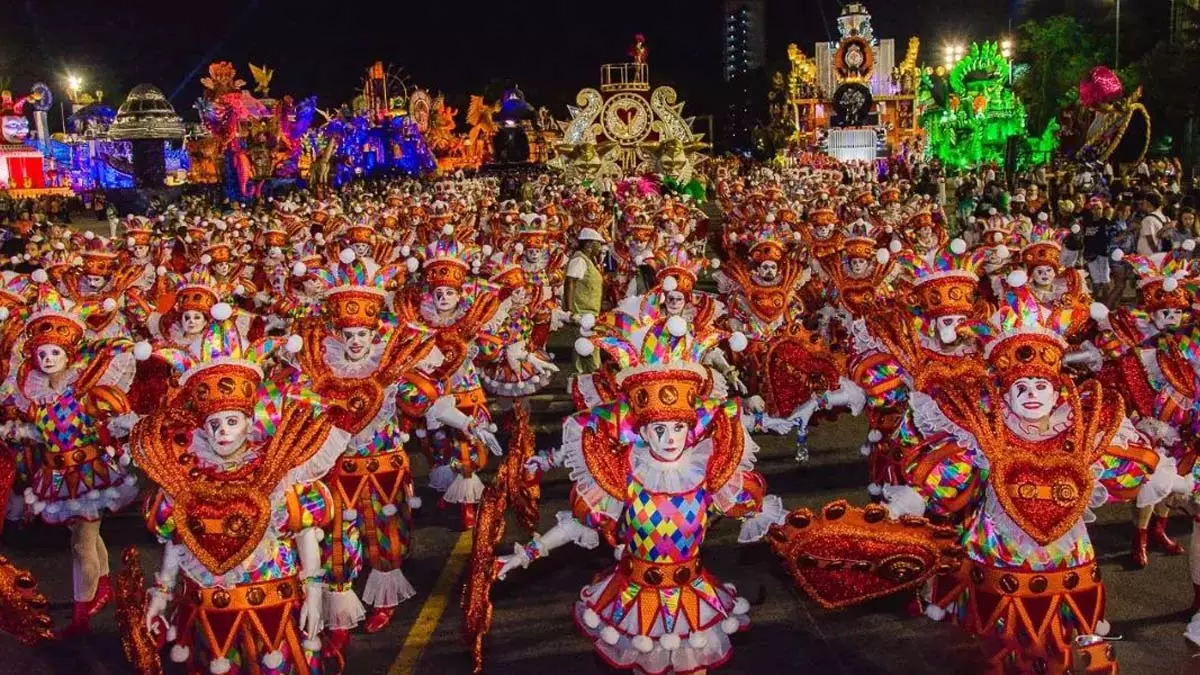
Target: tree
(1058, 51)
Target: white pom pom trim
(590, 618)
(89, 235)
(738, 341)
(697, 640)
(3, 313)
(1098, 311)
(958, 247)
(894, 246)
(1017, 278)
(294, 344)
(715, 263)
(587, 321)
(142, 350)
(273, 659)
(1170, 284)
(219, 666)
(677, 326)
(109, 304)
(347, 256)
(669, 284)
(1118, 255)
(205, 259)
(730, 626)
(448, 230)
(411, 265)
(882, 256)
(670, 642)
(584, 347)
(160, 271)
(221, 311)
(39, 276)
(180, 653)
(643, 644)
(390, 510)
(1188, 245)
(610, 635)
(299, 269)
(1075, 228)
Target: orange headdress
(447, 261)
(1025, 339)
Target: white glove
(538, 464)
(1184, 485)
(514, 354)
(508, 563)
(489, 440)
(262, 299)
(311, 622)
(558, 318)
(156, 607)
(541, 365)
(777, 425)
(902, 500)
(756, 404)
(414, 502)
(803, 414)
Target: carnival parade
(907, 383)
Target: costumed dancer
(239, 508)
(648, 470)
(72, 396)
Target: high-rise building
(745, 30)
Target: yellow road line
(431, 612)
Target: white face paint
(311, 286)
(358, 342)
(275, 253)
(227, 431)
(947, 328)
(859, 267)
(192, 322)
(445, 298)
(222, 268)
(768, 270)
(676, 301)
(1032, 398)
(667, 440)
(519, 297)
(823, 231)
(362, 250)
(141, 251)
(95, 282)
(1043, 275)
(534, 257)
(51, 359)
(1166, 319)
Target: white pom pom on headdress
(1002, 251)
(299, 269)
(584, 347)
(738, 341)
(1170, 284)
(587, 321)
(894, 246)
(669, 284)
(1017, 278)
(958, 247)
(486, 250)
(1075, 228)
(1098, 311)
(205, 259)
(221, 311)
(131, 242)
(882, 256)
(347, 256)
(448, 229)
(411, 265)
(39, 276)
(141, 350)
(714, 264)
(294, 344)
(677, 326)
(89, 235)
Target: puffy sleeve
(490, 346)
(739, 491)
(1129, 468)
(415, 393)
(948, 476)
(308, 505)
(598, 475)
(159, 512)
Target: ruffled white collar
(37, 386)
(682, 475)
(342, 366)
(429, 312)
(1060, 422)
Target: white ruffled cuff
(754, 527)
(902, 500)
(576, 532)
(1161, 483)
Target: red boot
(379, 619)
(102, 597)
(335, 641)
(1140, 557)
(468, 516)
(81, 619)
(1158, 537)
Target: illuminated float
(852, 100)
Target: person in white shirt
(1149, 236)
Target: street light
(74, 84)
(954, 53)
(1006, 50)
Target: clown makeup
(519, 297)
(51, 359)
(1043, 276)
(533, 258)
(94, 282)
(311, 286)
(227, 432)
(362, 250)
(676, 301)
(222, 269)
(859, 267)
(192, 322)
(1167, 319)
(445, 299)
(141, 251)
(768, 270)
(358, 342)
(667, 440)
(822, 231)
(1032, 398)
(947, 328)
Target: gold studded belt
(248, 596)
(659, 575)
(1030, 584)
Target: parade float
(970, 113)
(23, 162)
(851, 100)
(627, 128)
(1106, 123)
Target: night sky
(551, 48)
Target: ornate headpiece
(356, 298)
(196, 291)
(946, 283)
(54, 319)
(676, 263)
(1159, 278)
(1025, 339)
(447, 261)
(861, 240)
(1043, 247)
(98, 256)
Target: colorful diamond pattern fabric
(666, 528)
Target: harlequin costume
(240, 586)
(521, 324)
(375, 396)
(72, 417)
(658, 610)
(1022, 490)
(1068, 289)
